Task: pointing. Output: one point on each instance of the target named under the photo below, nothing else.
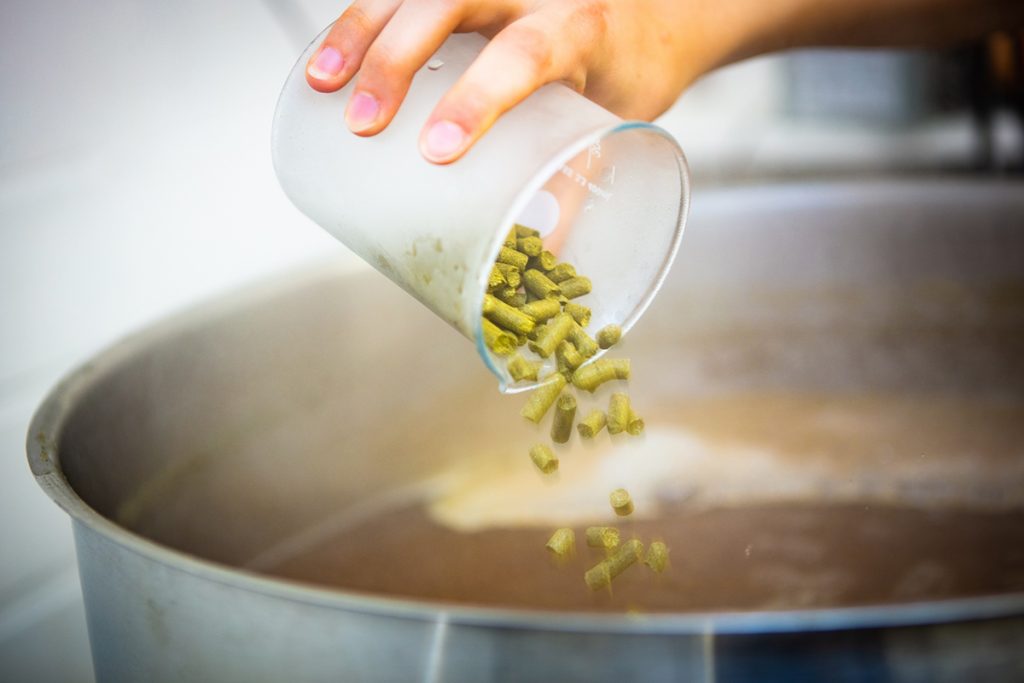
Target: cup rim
(536, 182)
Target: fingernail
(327, 64)
(362, 111)
(443, 140)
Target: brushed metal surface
(186, 451)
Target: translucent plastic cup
(609, 196)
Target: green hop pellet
(618, 413)
(562, 272)
(568, 357)
(543, 397)
(590, 377)
(601, 575)
(574, 287)
(583, 342)
(538, 284)
(542, 309)
(592, 424)
(544, 458)
(608, 336)
(545, 261)
(496, 278)
(513, 258)
(621, 502)
(553, 334)
(579, 313)
(517, 300)
(635, 425)
(523, 231)
(657, 556)
(521, 369)
(606, 537)
(510, 239)
(513, 278)
(499, 341)
(505, 294)
(531, 246)
(506, 316)
(562, 543)
(565, 414)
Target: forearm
(756, 27)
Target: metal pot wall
(200, 458)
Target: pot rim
(43, 448)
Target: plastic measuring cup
(609, 196)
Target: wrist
(735, 30)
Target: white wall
(135, 179)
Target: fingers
(388, 41)
(338, 58)
(524, 56)
(413, 34)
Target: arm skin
(634, 57)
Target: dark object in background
(996, 87)
(983, 81)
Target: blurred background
(136, 180)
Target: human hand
(626, 56)
(634, 57)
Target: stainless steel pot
(192, 455)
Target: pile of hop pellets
(529, 301)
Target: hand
(626, 56)
(634, 57)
